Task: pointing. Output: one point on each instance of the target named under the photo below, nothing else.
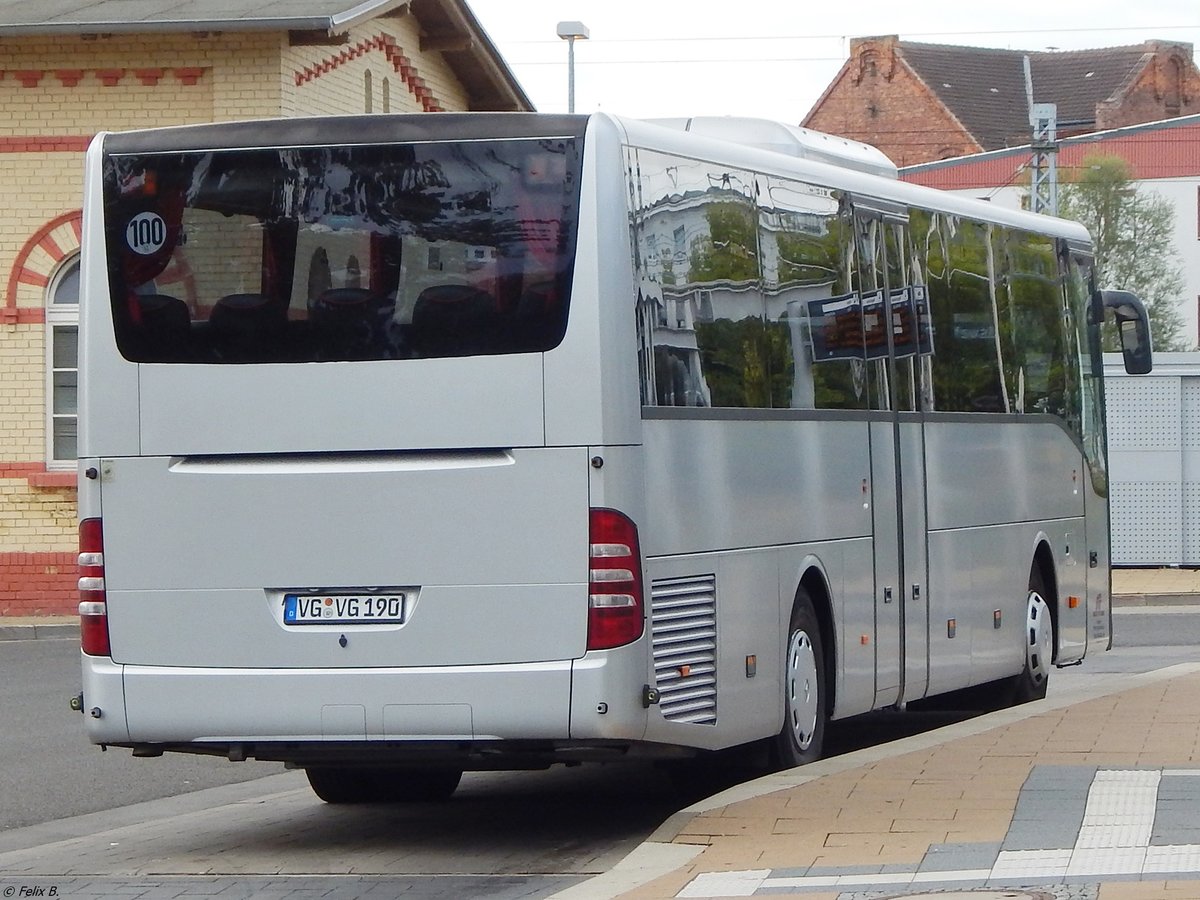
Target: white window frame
(60, 316)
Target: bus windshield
(336, 253)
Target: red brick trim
(38, 584)
(38, 475)
(22, 315)
(53, 480)
(401, 64)
(30, 78)
(110, 77)
(37, 279)
(21, 274)
(50, 245)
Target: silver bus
(412, 445)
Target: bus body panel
(979, 581)
(1099, 575)
(982, 542)
(803, 476)
(587, 401)
(109, 414)
(1070, 540)
(1038, 463)
(104, 700)
(489, 548)
(482, 401)
(318, 704)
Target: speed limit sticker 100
(146, 233)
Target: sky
(774, 58)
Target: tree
(1133, 231)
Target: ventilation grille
(683, 619)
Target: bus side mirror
(1133, 327)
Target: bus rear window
(371, 252)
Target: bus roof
(654, 135)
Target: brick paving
(1080, 797)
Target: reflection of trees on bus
(1005, 338)
(728, 253)
(785, 305)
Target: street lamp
(569, 32)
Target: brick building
(920, 102)
(74, 68)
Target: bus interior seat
(539, 316)
(162, 313)
(453, 320)
(350, 322)
(250, 326)
(162, 326)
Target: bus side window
(967, 372)
(700, 309)
(815, 339)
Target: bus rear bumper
(182, 705)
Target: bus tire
(342, 785)
(419, 785)
(800, 740)
(337, 784)
(1038, 640)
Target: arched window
(387, 95)
(367, 91)
(62, 365)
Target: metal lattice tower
(1043, 119)
(1044, 165)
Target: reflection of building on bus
(781, 441)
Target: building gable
(985, 90)
(447, 28)
(875, 90)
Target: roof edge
(331, 24)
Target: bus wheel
(799, 741)
(343, 785)
(419, 785)
(1039, 643)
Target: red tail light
(615, 605)
(93, 607)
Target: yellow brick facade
(56, 92)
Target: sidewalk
(29, 628)
(1155, 587)
(1085, 797)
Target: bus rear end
(324, 520)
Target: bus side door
(894, 361)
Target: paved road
(51, 771)
(503, 835)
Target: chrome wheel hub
(1039, 630)
(803, 701)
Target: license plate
(343, 609)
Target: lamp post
(569, 32)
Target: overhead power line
(1192, 26)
